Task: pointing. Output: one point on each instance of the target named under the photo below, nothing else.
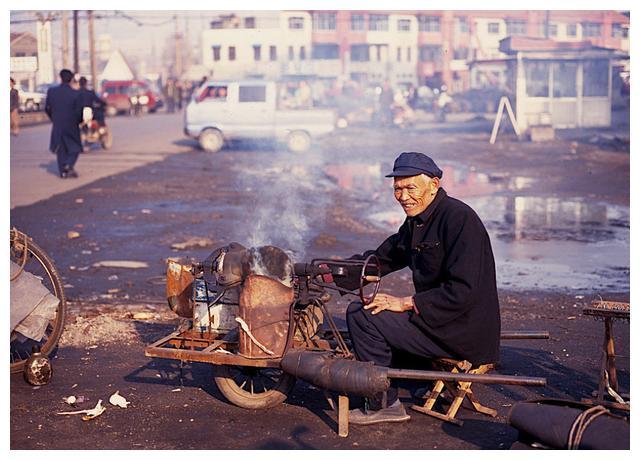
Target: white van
(221, 111)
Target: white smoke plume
(280, 214)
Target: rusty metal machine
(263, 322)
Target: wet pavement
(560, 238)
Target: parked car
(31, 101)
(481, 100)
(118, 95)
(222, 111)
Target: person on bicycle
(454, 312)
(91, 100)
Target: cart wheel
(37, 263)
(106, 139)
(253, 387)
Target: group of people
(176, 92)
(67, 108)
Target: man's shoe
(64, 175)
(72, 173)
(394, 413)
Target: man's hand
(391, 303)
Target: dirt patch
(100, 324)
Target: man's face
(415, 193)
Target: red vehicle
(129, 96)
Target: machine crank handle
(371, 278)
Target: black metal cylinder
(324, 370)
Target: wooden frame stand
(459, 391)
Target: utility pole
(92, 52)
(187, 41)
(76, 60)
(177, 68)
(65, 39)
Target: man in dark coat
(14, 101)
(64, 109)
(454, 312)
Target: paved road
(34, 175)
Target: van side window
(213, 93)
(253, 93)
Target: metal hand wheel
(366, 278)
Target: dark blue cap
(414, 163)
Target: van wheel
(298, 141)
(211, 140)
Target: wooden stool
(458, 391)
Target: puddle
(538, 242)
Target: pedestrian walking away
(14, 102)
(64, 109)
(454, 312)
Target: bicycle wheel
(38, 263)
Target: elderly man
(454, 312)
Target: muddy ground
(308, 205)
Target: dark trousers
(378, 338)
(66, 160)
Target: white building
(265, 44)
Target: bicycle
(31, 258)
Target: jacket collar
(424, 215)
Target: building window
(232, 53)
(595, 78)
(291, 53)
(591, 29)
(360, 53)
(408, 54)
(404, 25)
(303, 53)
(493, 27)
(216, 53)
(516, 27)
(618, 31)
(461, 53)
(256, 93)
(429, 23)
(537, 77)
(324, 21)
(431, 53)
(572, 30)
(250, 23)
(399, 54)
(324, 51)
(564, 79)
(463, 25)
(379, 22)
(296, 22)
(273, 53)
(357, 22)
(553, 30)
(256, 52)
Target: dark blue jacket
(64, 108)
(449, 253)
